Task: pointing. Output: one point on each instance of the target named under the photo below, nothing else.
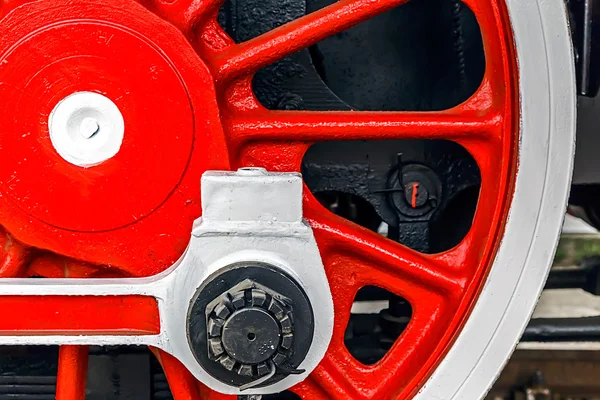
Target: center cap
(86, 129)
(251, 335)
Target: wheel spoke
(182, 383)
(412, 349)
(72, 372)
(250, 56)
(339, 125)
(332, 378)
(340, 375)
(388, 264)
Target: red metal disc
(52, 49)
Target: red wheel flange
(184, 90)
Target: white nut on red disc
(86, 128)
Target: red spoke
(72, 372)
(250, 56)
(431, 319)
(331, 380)
(340, 375)
(56, 315)
(183, 385)
(339, 125)
(390, 264)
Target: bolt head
(239, 328)
(251, 335)
(247, 325)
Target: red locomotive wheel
(174, 93)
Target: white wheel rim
(547, 143)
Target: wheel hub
(257, 283)
(145, 87)
(258, 331)
(117, 133)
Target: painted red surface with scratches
(184, 89)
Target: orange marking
(415, 187)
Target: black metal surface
(586, 54)
(27, 387)
(586, 277)
(369, 169)
(410, 183)
(251, 336)
(118, 375)
(424, 55)
(250, 397)
(584, 18)
(368, 337)
(585, 26)
(562, 330)
(285, 300)
(363, 338)
(29, 373)
(586, 196)
(159, 386)
(250, 329)
(394, 320)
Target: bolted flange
(414, 190)
(250, 329)
(250, 326)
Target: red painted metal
(82, 315)
(183, 385)
(119, 213)
(249, 57)
(72, 372)
(13, 256)
(184, 88)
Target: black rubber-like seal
(270, 277)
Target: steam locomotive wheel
(112, 110)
